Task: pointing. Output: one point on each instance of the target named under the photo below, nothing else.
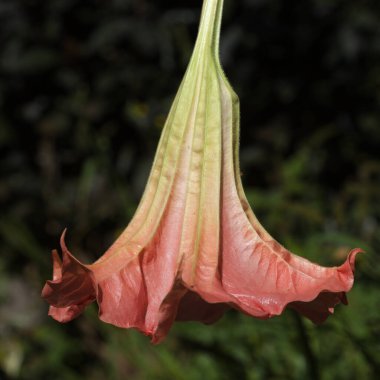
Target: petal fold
(71, 288)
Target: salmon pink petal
(193, 308)
(67, 314)
(321, 307)
(71, 289)
(194, 247)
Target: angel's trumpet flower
(194, 247)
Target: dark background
(85, 87)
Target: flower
(194, 247)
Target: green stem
(209, 28)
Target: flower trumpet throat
(194, 247)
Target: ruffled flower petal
(194, 248)
(71, 289)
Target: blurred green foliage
(85, 87)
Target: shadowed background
(85, 88)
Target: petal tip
(62, 241)
(352, 257)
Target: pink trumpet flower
(194, 247)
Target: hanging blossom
(194, 247)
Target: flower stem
(209, 28)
